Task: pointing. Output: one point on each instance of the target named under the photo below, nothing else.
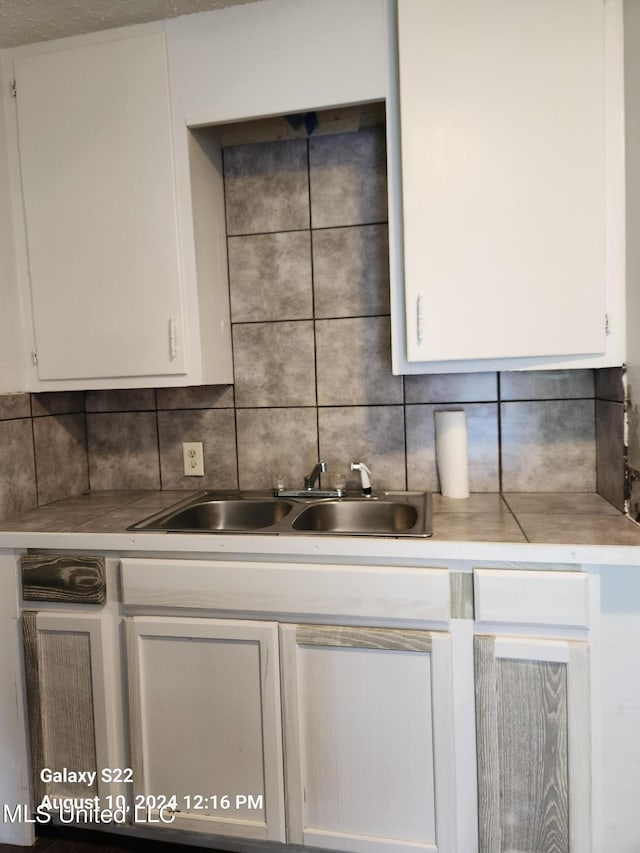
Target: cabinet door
(205, 723)
(533, 737)
(67, 697)
(502, 113)
(368, 739)
(97, 177)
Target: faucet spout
(311, 479)
(365, 475)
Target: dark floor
(63, 840)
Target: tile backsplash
(308, 270)
(43, 449)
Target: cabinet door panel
(97, 175)
(205, 722)
(532, 705)
(504, 176)
(360, 730)
(67, 696)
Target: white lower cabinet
(206, 726)
(382, 732)
(368, 738)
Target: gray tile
(61, 456)
(564, 503)
(196, 397)
(610, 455)
(370, 434)
(57, 403)
(476, 527)
(546, 384)
(18, 481)
(451, 388)
(14, 406)
(215, 428)
(348, 178)
(123, 450)
(353, 362)
(98, 501)
(113, 521)
(47, 519)
(274, 364)
(478, 502)
(549, 446)
(274, 441)
(165, 498)
(634, 494)
(351, 271)
(610, 384)
(270, 277)
(580, 529)
(266, 187)
(67, 514)
(482, 429)
(129, 400)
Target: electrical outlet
(193, 458)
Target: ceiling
(26, 21)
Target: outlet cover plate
(193, 458)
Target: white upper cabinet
(277, 57)
(511, 163)
(111, 305)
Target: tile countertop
(577, 519)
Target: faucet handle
(311, 479)
(365, 475)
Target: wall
(616, 655)
(12, 357)
(632, 167)
(307, 237)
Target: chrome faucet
(365, 474)
(311, 479)
(310, 490)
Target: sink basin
(222, 514)
(357, 517)
(384, 514)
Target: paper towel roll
(452, 453)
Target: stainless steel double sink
(381, 514)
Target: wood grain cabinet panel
(533, 735)
(67, 693)
(368, 742)
(63, 578)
